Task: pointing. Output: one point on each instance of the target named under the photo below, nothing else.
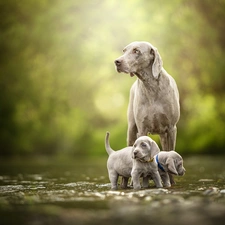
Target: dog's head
(144, 149)
(137, 57)
(174, 164)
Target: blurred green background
(60, 91)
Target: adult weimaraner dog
(120, 163)
(154, 98)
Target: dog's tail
(107, 145)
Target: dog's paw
(167, 185)
(138, 187)
(114, 188)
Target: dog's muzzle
(182, 173)
(134, 155)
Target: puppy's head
(174, 164)
(144, 149)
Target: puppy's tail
(107, 145)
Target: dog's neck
(159, 165)
(148, 80)
(151, 160)
(145, 161)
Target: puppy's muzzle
(134, 155)
(181, 173)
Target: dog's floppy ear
(132, 150)
(171, 166)
(154, 149)
(157, 63)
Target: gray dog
(154, 99)
(120, 163)
(143, 153)
(168, 163)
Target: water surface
(78, 192)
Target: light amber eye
(136, 51)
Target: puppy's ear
(132, 150)
(157, 63)
(171, 166)
(154, 149)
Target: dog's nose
(135, 152)
(117, 62)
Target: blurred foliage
(60, 92)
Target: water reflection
(83, 189)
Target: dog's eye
(124, 50)
(136, 51)
(143, 145)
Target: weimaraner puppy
(144, 150)
(168, 163)
(154, 98)
(120, 163)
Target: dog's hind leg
(113, 177)
(124, 182)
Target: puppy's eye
(136, 51)
(143, 145)
(124, 50)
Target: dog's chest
(153, 111)
(148, 168)
(151, 120)
(156, 123)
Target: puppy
(143, 152)
(168, 163)
(119, 163)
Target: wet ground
(78, 192)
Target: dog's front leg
(135, 174)
(166, 179)
(157, 179)
(132, 127)
(146, 182)
(172, 181)
(131, 134)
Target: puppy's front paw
(138, 187)
(114, 188)
(167, 185)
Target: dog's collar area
(150, 160)
(159, 165)
(146, 161)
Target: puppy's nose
(117, 62)
(135, 152)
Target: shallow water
(78, 192)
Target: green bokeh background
(60, 91)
